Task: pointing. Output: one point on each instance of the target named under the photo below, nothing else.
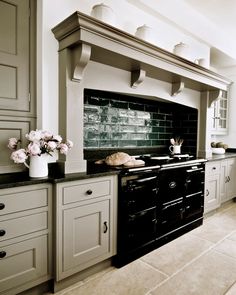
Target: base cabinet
(87, 227)
(86, 224)
(212, 186)
(25, 237)
(220, 183)
(228, 179)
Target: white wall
(129, 17)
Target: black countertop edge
(228, 154)
(16, 179)
(10, 180)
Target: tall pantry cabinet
(17, 75)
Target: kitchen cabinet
(25, 237)
(220, 115)
(228, 179)
(85, 223)
(212, 186)
(17, 75)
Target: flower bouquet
(41, 143)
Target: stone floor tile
(211, 274)
(136, 278)
(216, 229)
(232, 290)
(176, 254)
(227, 247)
(233, 236)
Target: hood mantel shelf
(91, 39)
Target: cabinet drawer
(23, 225)
(23, 262)
(212, 168)
(15, 200)
(86, 190)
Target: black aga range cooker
(158, 202)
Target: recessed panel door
(86, 232)
(14, 55)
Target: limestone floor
(201, 262)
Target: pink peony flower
(19, 156)
(57, 138)
(12, 143)
(34, 135)
(63, 148)
(46, 135)
(51, 145)
(40, 142)
(34, 149)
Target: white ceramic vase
(104, 13)
(146, 33)
(38, 166)
(182, 50)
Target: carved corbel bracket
(79, 59)
(215, 95)
(137, 77)
(177, 87)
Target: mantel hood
(92, 39)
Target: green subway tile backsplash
(115, 120)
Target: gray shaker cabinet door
(86, 233)
(24, 262)
(14, 55)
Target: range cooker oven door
(170, 217)
(140, 229)
(194, 201)
(171, 191)
(138, 193)
(137, 201)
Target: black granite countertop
(10, 180)
(228, 154)
(22, 178)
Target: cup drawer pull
(2, 206)
(89, 192)
(2, 232)
(3, 254)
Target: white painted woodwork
(219, 115)
(227, 179)
(212, 186)
(85, 224)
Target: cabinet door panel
(231, 179)
(86, 232)
(223, 181)
(24, 262)
(12, 128)
(212, 193)
(14, 55)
